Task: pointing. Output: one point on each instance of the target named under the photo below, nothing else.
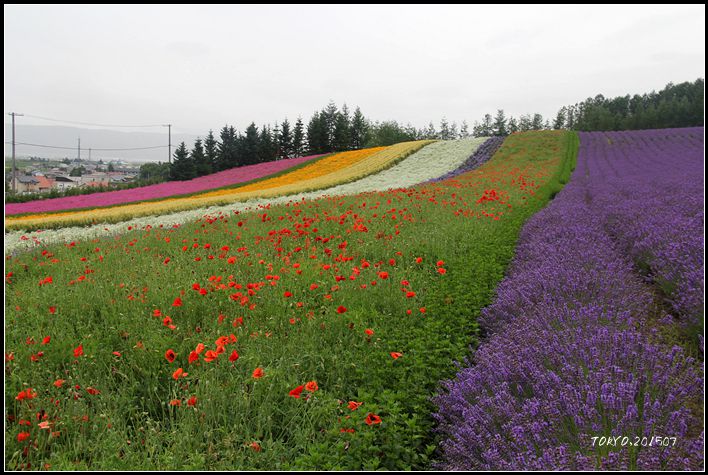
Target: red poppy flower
(170, 355)
(372, 419)
(395, 355)
(78, 351)
(210, 356)
(287, 293)
(441, 271)
(234, 356)
(257, 373)
(383, 275)
(353, 405)
(179, 373)
(341, 309)
(369, 331)
(26, 394)
(59, 382)
(177, 302)
(296, 392)
(52, 310)
(175, 402)
(92, 391)
(46, 340)
(410, 294)
(22, 436)
(418, 260)
(440, 263)
(311, 386)
(193, 356)
(200, 348)
(192, 401)
(117, 353)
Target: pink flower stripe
(232, 176)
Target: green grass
(131, 425)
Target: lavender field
(591, 354)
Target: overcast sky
(200, 67)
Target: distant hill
(94, 138)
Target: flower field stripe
(579, 346)
(430, 161)
(659, 228)
(334, 164)
(221, 179)
(124, 212)
(481, 154)
(338, 168)
(309, 334)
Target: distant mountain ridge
(62, 136)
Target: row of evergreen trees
(335, 130)
(679, 105)
(329, 130)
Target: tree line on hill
(335, 130)
(677, 105)
(328, 130)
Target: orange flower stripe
(339, 168)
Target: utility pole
(89, 154)
(79, 148)
(14, 168)
(169, 142)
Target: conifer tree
(358, 133)
(285, 141)
(329, 118)
(298, 146)
(500, 124)
(182, 164)
(341, 138)
(201, 164)
(249, 145)
(464, 130)
(267, 148)
(444, 130)
(560, 119)
(513, 125)
(211, 151)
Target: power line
(99, 149)
(90, 123)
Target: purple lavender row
(573, 357)
(483, 153)
(655, 211)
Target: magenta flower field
(232, 176)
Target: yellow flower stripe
(339, 168)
